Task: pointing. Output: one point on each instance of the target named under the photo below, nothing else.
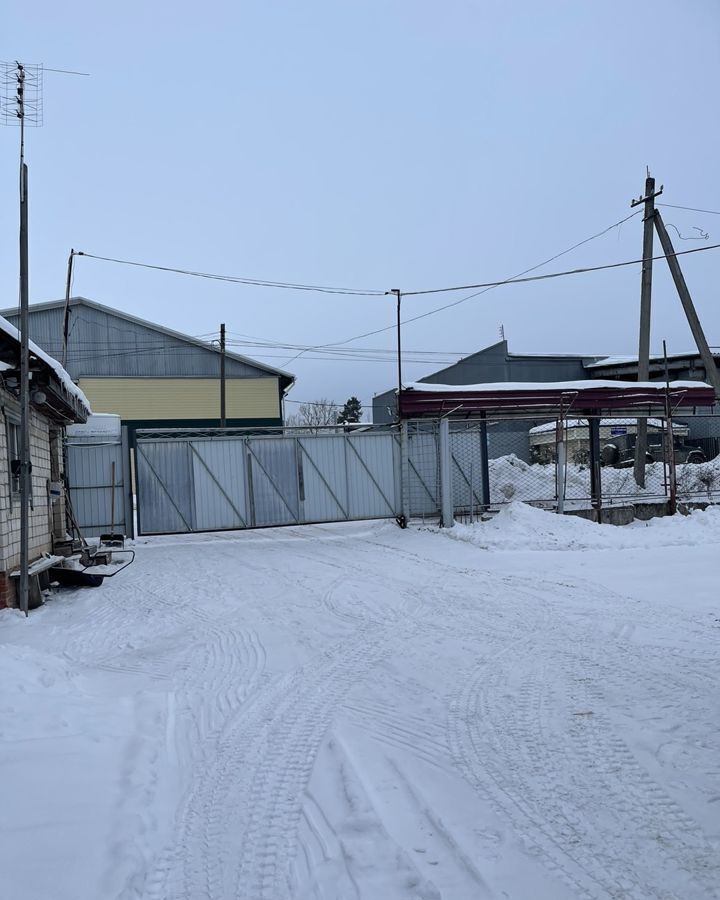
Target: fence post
(560, 464)
(670, 458)
(484, 463)
(127, 477)
(405, 471)
(595, 482)
(447, 519)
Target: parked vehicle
(620, 451)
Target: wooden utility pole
(645, 308)
(222, 375)
(711, 372)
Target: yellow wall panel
(183, 398)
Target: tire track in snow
(502, 722)
(238, 830)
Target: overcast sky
(371, 144)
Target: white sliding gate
(210, 480)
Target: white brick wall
(40, 513)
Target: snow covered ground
(526, 708)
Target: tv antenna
(21, 104)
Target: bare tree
(314, 414)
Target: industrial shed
(493, 364)
(152, 376)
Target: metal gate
(90, 462)
(212, 480)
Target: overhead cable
(238, 279)
(617, 265)
(438, 309)
(709, 212)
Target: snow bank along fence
(434, 469)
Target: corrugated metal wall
(89, 462)
(102, 344)
(183, 398)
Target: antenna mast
(21, 104)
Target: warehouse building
(497, 364)
(152, 376)
(491, 365)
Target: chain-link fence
(469, 476)
(428, 469)
(698, 478)
(576, 463)
(421, 469)
(573, 463)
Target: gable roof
(286, 379)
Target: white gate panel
(373, 467)
(324, 483)
(272, 464)
(220, 483)
(165, 487)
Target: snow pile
(513, 479)
(521, 527)
(699, 478)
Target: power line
(438, 309)
(618, 265)
(309, 402)
(709, 212)
(238, 279)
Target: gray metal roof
(93, 348)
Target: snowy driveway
(356, 712)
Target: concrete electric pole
(645, 308)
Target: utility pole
(645, 308)
(398, 294)
(25, 466)
(222, 375)
(66, 314)
(701, 343)
(22, 104)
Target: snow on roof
(530, 386)
(604, 423)
(628, 360)
(62, 376)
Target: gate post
(484, 462)
(404, 471)
(128, 478)
(595, 479)
(447, 519)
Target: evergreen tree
(351, 412)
